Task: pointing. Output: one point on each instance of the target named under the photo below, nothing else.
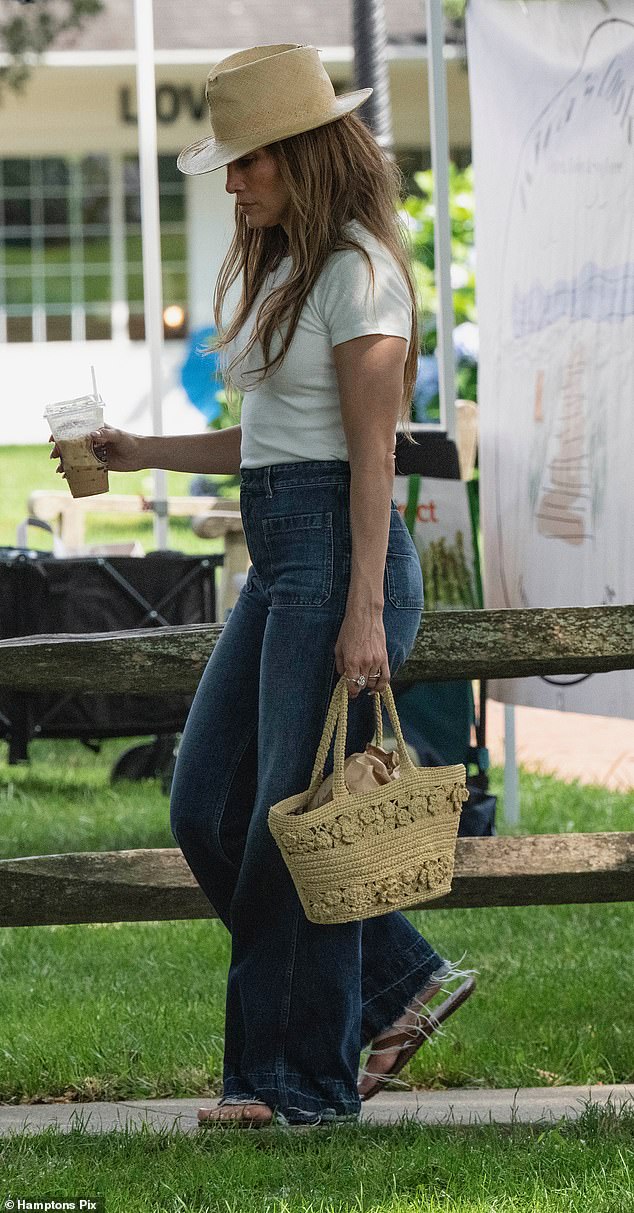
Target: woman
(323, 344)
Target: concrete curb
(524, 1105)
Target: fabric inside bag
(362, 773)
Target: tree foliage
(29, 27)
(420, 211)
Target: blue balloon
(200, 374)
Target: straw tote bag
(364, 854)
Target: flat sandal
(423, 1031)
(242, 1121)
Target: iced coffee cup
(71, 423)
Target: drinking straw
(94, 383)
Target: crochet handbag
(363, 854)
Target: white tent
(151, 242)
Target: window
(70, 247)
(173, 241)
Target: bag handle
(338, 717)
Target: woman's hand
(360, 649)
(120, 450)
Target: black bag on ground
(477, 817)
(40, 595)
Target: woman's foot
(381, 1061)
(392, 1049)
(247, 1114)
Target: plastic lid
(72, 406)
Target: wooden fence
(118, 886)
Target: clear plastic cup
(71, 423)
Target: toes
(248, 1112)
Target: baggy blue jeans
(303, 999)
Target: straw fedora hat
(261, 95)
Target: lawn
(135, 1010)
(25, 468)
(582, 1167)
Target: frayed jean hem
(308, 1110)
(392, 1003)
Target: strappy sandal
(410, 1038)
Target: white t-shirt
(295, 413)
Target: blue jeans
(303, 999)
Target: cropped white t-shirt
(295, 413)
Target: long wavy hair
(334, 174)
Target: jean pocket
(301, 552)
(404, 580)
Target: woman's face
(255, 180)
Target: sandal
(207, 1116)
(410, 1038)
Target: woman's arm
(370, 379)
(215, 452)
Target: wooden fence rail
(128, 886)
(449, 645)
(119, 886)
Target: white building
(70, 234)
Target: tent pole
(439, 134)
(151, 240)
(511, 776)
(371, 69)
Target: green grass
(62, 800)
(550, 806)
(576, 1167)
(25, 468)
(136, 1009)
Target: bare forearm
(217, 451)
(371, 487)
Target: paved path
(527, 1105)
(592, 749)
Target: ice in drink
(71, 423)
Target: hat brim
(208, 154)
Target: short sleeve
(346, 301)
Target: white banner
(552, 99)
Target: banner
(442, 533)
(552, 99)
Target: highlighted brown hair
(333, 174)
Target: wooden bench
(236, 553)
(69, 513)
(121, 886)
